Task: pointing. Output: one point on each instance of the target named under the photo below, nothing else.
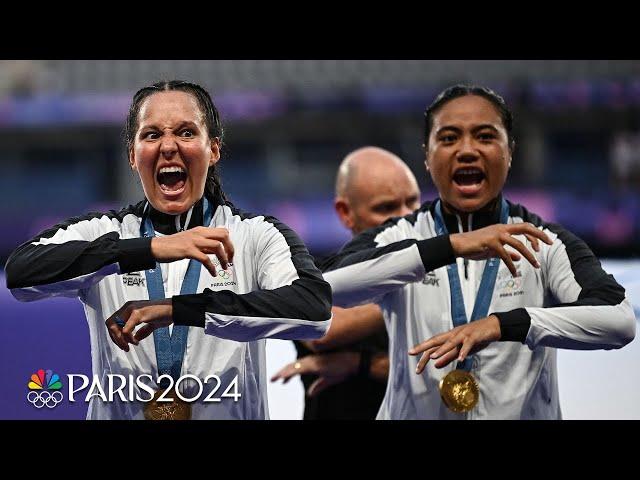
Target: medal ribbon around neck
(170, 347)
(487, 284)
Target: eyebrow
(385, 201)
(187, 123)
(474, 129)
(184, 123)
(390, 200)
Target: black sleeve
(73, 255)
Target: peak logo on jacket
(133, 279)
(431, 279)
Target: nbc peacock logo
(44, 389)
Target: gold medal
(459, 391)
(176, 409)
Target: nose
(168, 146)
(467, 151)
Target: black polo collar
(488, 215)
(166, 224)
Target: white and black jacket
(570, 302)
(273, 290)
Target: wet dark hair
(462, 91)
(213, 186)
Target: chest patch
(223, 278)
(509, 286)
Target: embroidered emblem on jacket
(509, 286)
(223, 278)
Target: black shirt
(356, 398)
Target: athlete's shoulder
(412, 219)
(260, 227)
(251, 218)
(519, 211)
(97, 220)
(399, 228)
(567, 237)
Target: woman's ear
(132, 160)
(215, 151)
(426, 156)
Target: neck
(169, 223)
(465, 217)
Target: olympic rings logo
(510, 284)
(224, 274)
(44, 398)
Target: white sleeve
(381, 260)
(74, 255)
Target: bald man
(345, 372)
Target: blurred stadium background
(288, 125)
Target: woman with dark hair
(491, 327)
(198, 332)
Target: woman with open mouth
(505, 290)
(193, 283)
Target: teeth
(468, 171)
(171, 169)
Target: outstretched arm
(74, 255)
(365, 270)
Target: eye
(187, 133)
(486, 136)
(448, 138)
(149, 135)
(385, 207)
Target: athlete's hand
(195, 243)
(332, 368)
(457, 342)
(154, 314)
(489, 242)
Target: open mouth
(172, 179)
(466, 177)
